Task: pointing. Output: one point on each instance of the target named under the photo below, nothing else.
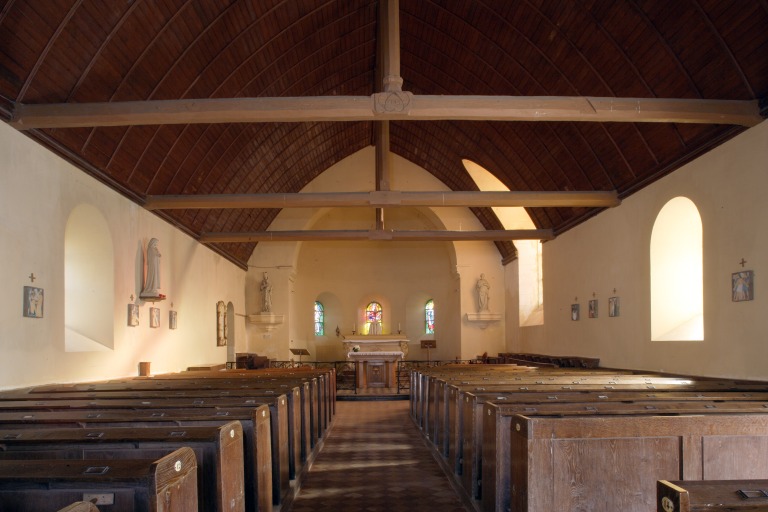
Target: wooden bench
(608, 463)
(276, 416)
(302, 403)
(712, 496)
(296, 432)
(218, 450)
(258, 468)
(494, 462)
(452, 400)
(168, 484)
(307, 393)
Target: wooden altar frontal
(376, 360)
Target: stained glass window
(373, 318)
(429, 316)
(319, 319)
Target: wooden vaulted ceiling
(95, 51)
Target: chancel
(460, 208)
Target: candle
(398, 326)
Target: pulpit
(376, 358)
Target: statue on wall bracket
(266, 294)
(151, 288)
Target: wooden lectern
(428, 344)
(299, 352)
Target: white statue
(266, 294)
(483, 294)
(152, 280)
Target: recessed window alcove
(89, 282)
(677, 287)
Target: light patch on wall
(89, 282)
(530, 272)
(677, 288)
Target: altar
(376, 358)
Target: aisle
(375, 460)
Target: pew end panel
(603, 464)
(712, 496)
(168, 484)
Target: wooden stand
(299, 352)
(428, 344)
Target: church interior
(314, 181)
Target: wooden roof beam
(376, 235)
(385, 106)
(385, 198)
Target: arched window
(529, 254)
(677, 288)
(429, 317)
(373, 318)
(319, 319)
(89, 282)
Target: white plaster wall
(400, 274)
(612, 251)
(38, 190)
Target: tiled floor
(374, 459)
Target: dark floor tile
(374, 459)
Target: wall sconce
(338, 331)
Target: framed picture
(593, 308)
(133, 315)
(172, 316)
(575, 312)
(613, 306)
(154, 317)
(743, 286)
(32, 305)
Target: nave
(375, 459)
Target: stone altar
(377, 343)
(376, 361)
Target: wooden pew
(495, 462)
(303, 405)
(607, 463)
(258, 470)
(226, 395)
(277, 417)
(465, 422)
(305, 422)
(168, 484)
(712, 496)
(441, 420)
(218, 450)
(322, 388)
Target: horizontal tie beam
(377, 235)
(385, 106)
(385, 199)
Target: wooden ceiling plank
(377, 235)
(384, 198)
(361, 108)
